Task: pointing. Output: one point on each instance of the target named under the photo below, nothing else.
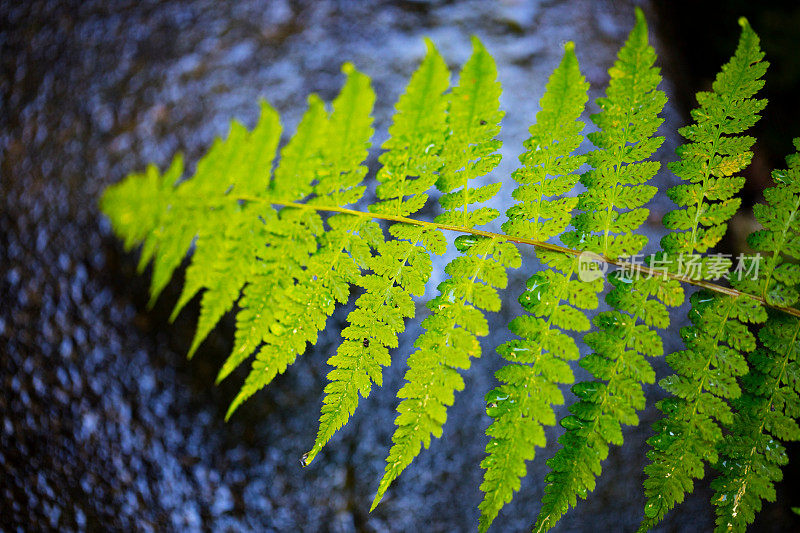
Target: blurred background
(104, 424)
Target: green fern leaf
(412, 158)
(299, 311)
(706, 373)
(616, 192)
(445, 349)
(522, 404)
(165, 214)
(347, 142)
(714, 153)
(258, 240)
(628, 119)
(274, 268)
(751, 454)
(402, 266)
(221, 266)
(450, 339)
(705, 378)
(302, 158)
(775, 279)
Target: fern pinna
(400, 267)
(612, 210)
(751, 453)
(283, 249)
(455, 322)
(706, 372)
(538, 361)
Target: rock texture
(103, 422)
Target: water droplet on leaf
(465, 242)
(572, 422)
(518, 352)
(780, 176)
(586, 388)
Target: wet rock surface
(104, 424)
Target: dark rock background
(104, 424)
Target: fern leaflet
(522, 404)
(402, 266)
(705, 373)
(714, 153)
(612, 203)
(455, 322)
(751, 454)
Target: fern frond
(612, 204)
(751, 455)
(706, 373)
(274, 270)
(402, 266)
(616, 187)
(452, 330)
(300, 310)
(221, 266)
(412, 158)
(705, 378)
(259, 241)
(522, 404)
(714, 153)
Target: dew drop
(572, 422)
(586, 388)
(518, 352)
(304, 460)
(536, 287)
(624, 278)
(780, 176)
(496, 396)
(465, 242)
(494, 402)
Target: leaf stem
(640, 269)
